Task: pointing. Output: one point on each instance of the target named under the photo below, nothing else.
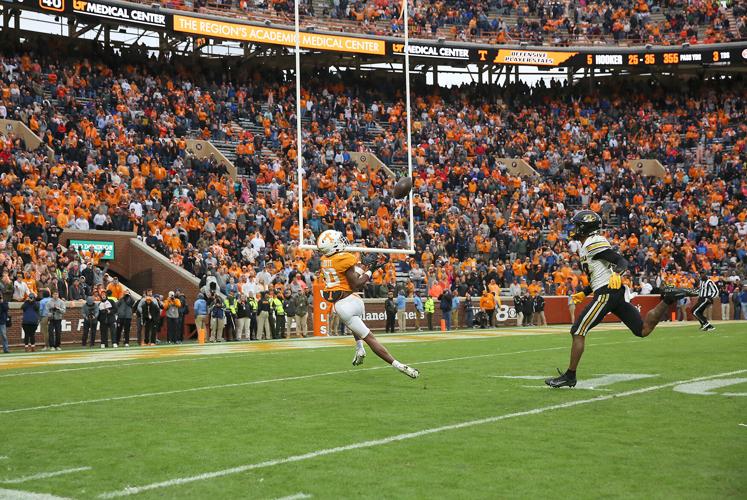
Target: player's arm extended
(358, 281)
(355, 280)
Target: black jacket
(242, 310)
(264, 305)
(446, 301)
(151, 311)
(539, 303)
(390, 306)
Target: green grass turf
(658, 444)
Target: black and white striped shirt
(707, 289)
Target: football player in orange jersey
(342, 279)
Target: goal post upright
(405, 17)
(299, 143)
(299, 134)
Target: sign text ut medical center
(275, 36)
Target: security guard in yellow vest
(230, 306)
(430, 308)
(277, 306)
(252, 306)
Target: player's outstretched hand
(372, 261)
(615, 282)
(579, 297)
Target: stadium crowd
(119, 162)
(557, 22)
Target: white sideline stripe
(133, 490)
(44, 475)
(282, 379)
(297, 496)
(196, 353)
(114, 364)
(27, 495)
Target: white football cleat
(410, 371)
(360, 355)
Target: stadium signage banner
(99, 246)
(118, 13)
(275, 36)
(431, 51)
(523, 57)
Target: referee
(707, 290)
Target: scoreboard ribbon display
(675, 57)
(621, 59)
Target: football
(402, 187)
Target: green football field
(662, 417)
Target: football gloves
(615, 282)
(371, 260)
(579, 297)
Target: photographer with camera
(107, 318)
(30, 322)
(56, 309)
(149, 312)
(90, 313)
(217, 319)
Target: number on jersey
(330, 277)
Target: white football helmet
(331, 242)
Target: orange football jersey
(333, 271)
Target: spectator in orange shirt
(487, 305)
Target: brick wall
(72, 325)
(139, 264)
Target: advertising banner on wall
(109, 12)
(276, 36)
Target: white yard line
(44, 475)
(26, 495)
(297, 496)
(281, 379)
(133, 490)
(4, 457)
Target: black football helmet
(585, 223)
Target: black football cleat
(708, 327)
(562, 380)
(671, 294)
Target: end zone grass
(304, 422)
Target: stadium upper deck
(537, 22)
